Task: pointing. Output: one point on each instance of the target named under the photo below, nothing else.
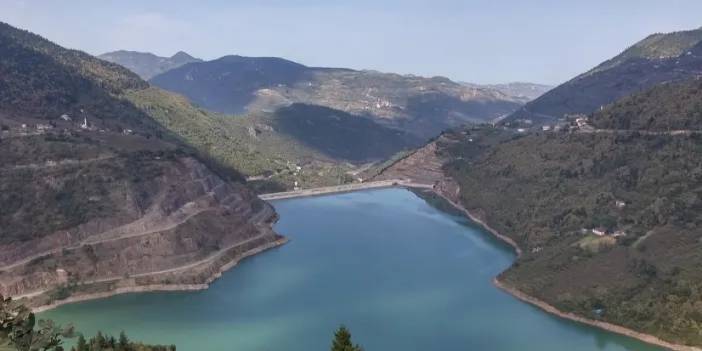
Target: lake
(400, 274)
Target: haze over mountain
(521, 91)
(421, 106)
(145, 64)
(658, 58)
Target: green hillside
(667, 107)
(548, 191)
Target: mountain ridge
(146, 64)
(659, 58)
(418, 105)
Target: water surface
(399, 273)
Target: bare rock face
(425, 166)
(185, 229)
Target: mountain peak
(146, 64)
(182, 55)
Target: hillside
(416, 105)
(657, 59)
(550, 192)
(97, 195)
(666, 107)
(147, 65)
(254, 145)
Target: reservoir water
(399, 273)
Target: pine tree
(81, 344)
(100, 342)
(123, 343)
(342, 341)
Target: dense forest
(667, 107)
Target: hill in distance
(416, 105)
(147, 65)
(521, 91)
(657, 59)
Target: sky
(487, 41)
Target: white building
(599, 231)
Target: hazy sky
(483, 41)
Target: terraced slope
(96, 196)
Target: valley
(150, 177)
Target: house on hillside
(44, 127)
(619, 233)
(599, 231)
(581, 122)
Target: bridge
(345, 188)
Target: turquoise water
(399, 273)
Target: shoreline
(163, 287)
(612, 328)
(550, 309)
(514, 292)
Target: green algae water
(399, 273)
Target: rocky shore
(162, 287)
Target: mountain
(269, 147)
(97, 196)
(416, 105)
(657, 59)
(519, 91)
(147, 65)
(638, 178)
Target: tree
(19, 329)
(342, 341)
(123, 341)
(81, 344)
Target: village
(577, 123)
(63, 124)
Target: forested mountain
(607, 222)
(660, 58)
(89, 183)
(416, 105)
(145, 64)
(666, 107)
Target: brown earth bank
(427, 165)
(177, 229)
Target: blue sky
(545, 41)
